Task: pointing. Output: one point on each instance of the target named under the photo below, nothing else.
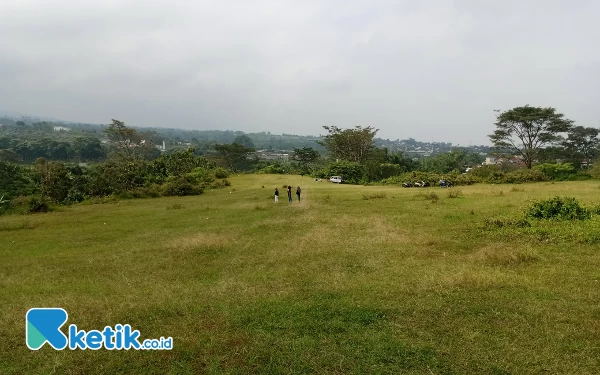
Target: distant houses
(273, 155)
(491, 160)
(61, 129)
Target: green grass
(353, 279)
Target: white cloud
(410, 68)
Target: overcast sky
(421, 69)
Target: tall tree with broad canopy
(526, 130)
(244, 140)
(130, 144)
(306, 155)
(234, 156)
(582, 144)
(354, 144)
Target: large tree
(130, 144)
(125, 139)
(355, 144)
(244, 140)
(582, 144)
(234, 156)
(306, 155)
(526, 130)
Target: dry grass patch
(503, 255)
(479, 279)
(200, 240)
(430, 196)
(454, 193)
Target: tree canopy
(582, 143)
(355, 144)
(526, 130)
(234, 156)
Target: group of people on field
(289, 193)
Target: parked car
(336, 179)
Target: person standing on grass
(298, 191)
(276, 194)
(289, 191)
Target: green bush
(181, 187)
(567, 208)
(37, 204)
(523, 175)
(221, 172)
(274, 169)
(594, 171)
(29, 204)
(433, 179)
(559, 171)
(150, 191)
(493, 174)
(220, 184)
(431, 196)
(16, 180)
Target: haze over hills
(422, 147)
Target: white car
(336, 179)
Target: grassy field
(353, 279)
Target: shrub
(432, 178)
(594, 171)
(221, 172)
(431, 196)
(499, 175)
(273, 169)
(15, 180)
(454, 193)
(559, 171)
(181, 187)
(567, 208)
(151, 191)
(37, 204)
(30, 204)
(523, 175)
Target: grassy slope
(335, 284)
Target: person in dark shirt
(276, 194)
(289, 191)
(298, 191)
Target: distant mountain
(260, 139)
(18, 116)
